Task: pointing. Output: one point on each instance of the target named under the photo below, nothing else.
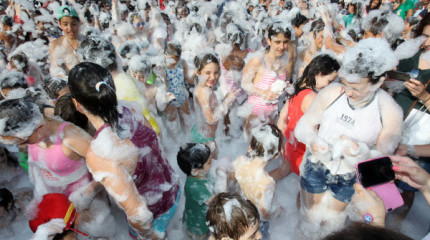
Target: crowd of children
(103, 103)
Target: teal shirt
(348, 19)
(402, 11)
(196, 194)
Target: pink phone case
(388, 192)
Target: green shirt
(348, 19)
(402, 11)
(196, 194)
(405, 98)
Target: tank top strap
(101, 129)
(264, 63)
(60, 130)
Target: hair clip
(99, 84)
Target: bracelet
(423, 102)
(368, 218)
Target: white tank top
(360, 125)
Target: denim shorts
(316, 178)
(423, 162)
(264, 229)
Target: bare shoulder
(57, 42)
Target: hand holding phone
(399, 76)
(378, 175)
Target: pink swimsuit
(56, 168)
(261, 106)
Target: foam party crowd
(216, 119)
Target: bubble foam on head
(264, 136)
(12, 79)
(385, 22)
(98, 50)
(19, 118)
(368, 58)
(140, 64)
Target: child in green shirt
(194, 159)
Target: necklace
(74, 50)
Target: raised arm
(214, 113)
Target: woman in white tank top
(347, 123)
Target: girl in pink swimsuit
(56, 163)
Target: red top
(294, 149)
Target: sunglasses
(139, 24)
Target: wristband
(411, 150)
(368, 218)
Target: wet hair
(88, 16)
(129, 48)
(19, 61)
(133, 15)
(181, 4)
(98, 50)
(20, 117)
(201, 62)
(423, 23)
(12, 80)
(192, 156)
(298, 20)
(7, 20)
(412, 20)
(173, 49)
(65, 108)
(377, 24)
(6, 198)
(317, 26)
(235, 34)
(258, 146)
(276, 28)
(103, 103)
(363, 231)
(52, 86)
(234, 224)
(288, 5)
(166, 18)
(323, 64)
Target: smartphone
(378, 174)
(399, 76)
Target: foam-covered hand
(49, 230)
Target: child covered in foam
(252, 176)
(195, 160)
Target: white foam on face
(369, 55)
(229, 207)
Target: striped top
(261, 105)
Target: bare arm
(117, 181)
(392, 119)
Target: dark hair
(6, 198)
(98, 50)
(236, 223)
(368, 9)
(65, 108)
(173, 49)
(19, 61)
(317, 26)
(378, 23)
(298, 20)
(12, 80)
(276, 28)
(323, 64)
(52, 86)
(257, 145)
(7, 20)
(362, 231)
(19, 114)
(83, 79)
(200, 63)
(192, 156)
(235, 37)
(423, 23)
